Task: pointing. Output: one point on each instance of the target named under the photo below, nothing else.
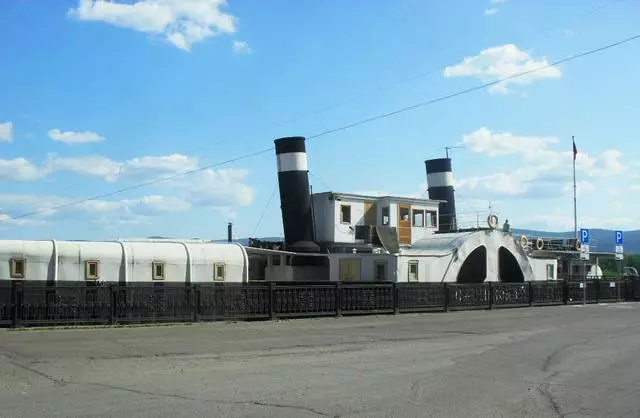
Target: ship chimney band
(442, 179)
(292, 161)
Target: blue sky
(98, 96)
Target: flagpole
(575, 207)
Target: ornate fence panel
(6, 304)
(358, 298)
(510, 295)
(155, 302)
(469, 296)
(575, 292)
(632, 290)
(47, 303)
(611, 290)
(547, 293)
(61, 303)
(301, 299)
(420, 297)
(233, 301)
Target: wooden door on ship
(404, 224)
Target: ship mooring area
(556, 361)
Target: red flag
(575, 150)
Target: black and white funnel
(295, 199)
(440, 183)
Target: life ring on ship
(578, 245)
(492, 220)
(539, 244)
(523, 241)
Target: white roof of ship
(402, 199)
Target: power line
(333, 130)
(264, 211)
(434, 69)
(141, 185)
(473, 89)
(315, 176)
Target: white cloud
(171, 163)
(503, 61)
(241, 47)
(182, 22)
(6, 132)
(498, 1)
(611, 161)
(125, 210)
(70, 137)
(110, 170)
(513, 183)
(543, 171)
(19, 169)
(495, 144)
(222, 188)
(491, 11)
(95, 166)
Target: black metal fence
(47, 304)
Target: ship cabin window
(413, 271)
(18, 268)
(91, 270)
(381, 271)
(385, 216)
(404, 213)
(550, 272)
(576, 269)
(418, 218)
(158, 271)
(431, 219)
(345, 214)
(275, 260)
(219, 271)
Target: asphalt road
(537, 362)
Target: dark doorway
(474, 268)
(508, 267)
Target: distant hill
(601, 239)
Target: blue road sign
(584, 236)
(619, 238)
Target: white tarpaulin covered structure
(466, 257)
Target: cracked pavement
(565, 361)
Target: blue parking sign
(619, 238)
(584, 236)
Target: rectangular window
(275, 260)
(404, 213)
(219, 271)
(418, 218)
(158, 271)
(381, 271)
(413, 271)
(91, 270)
(385, 216)
(18, 268)
(431, 219)
(345, 214)
(551, 274)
